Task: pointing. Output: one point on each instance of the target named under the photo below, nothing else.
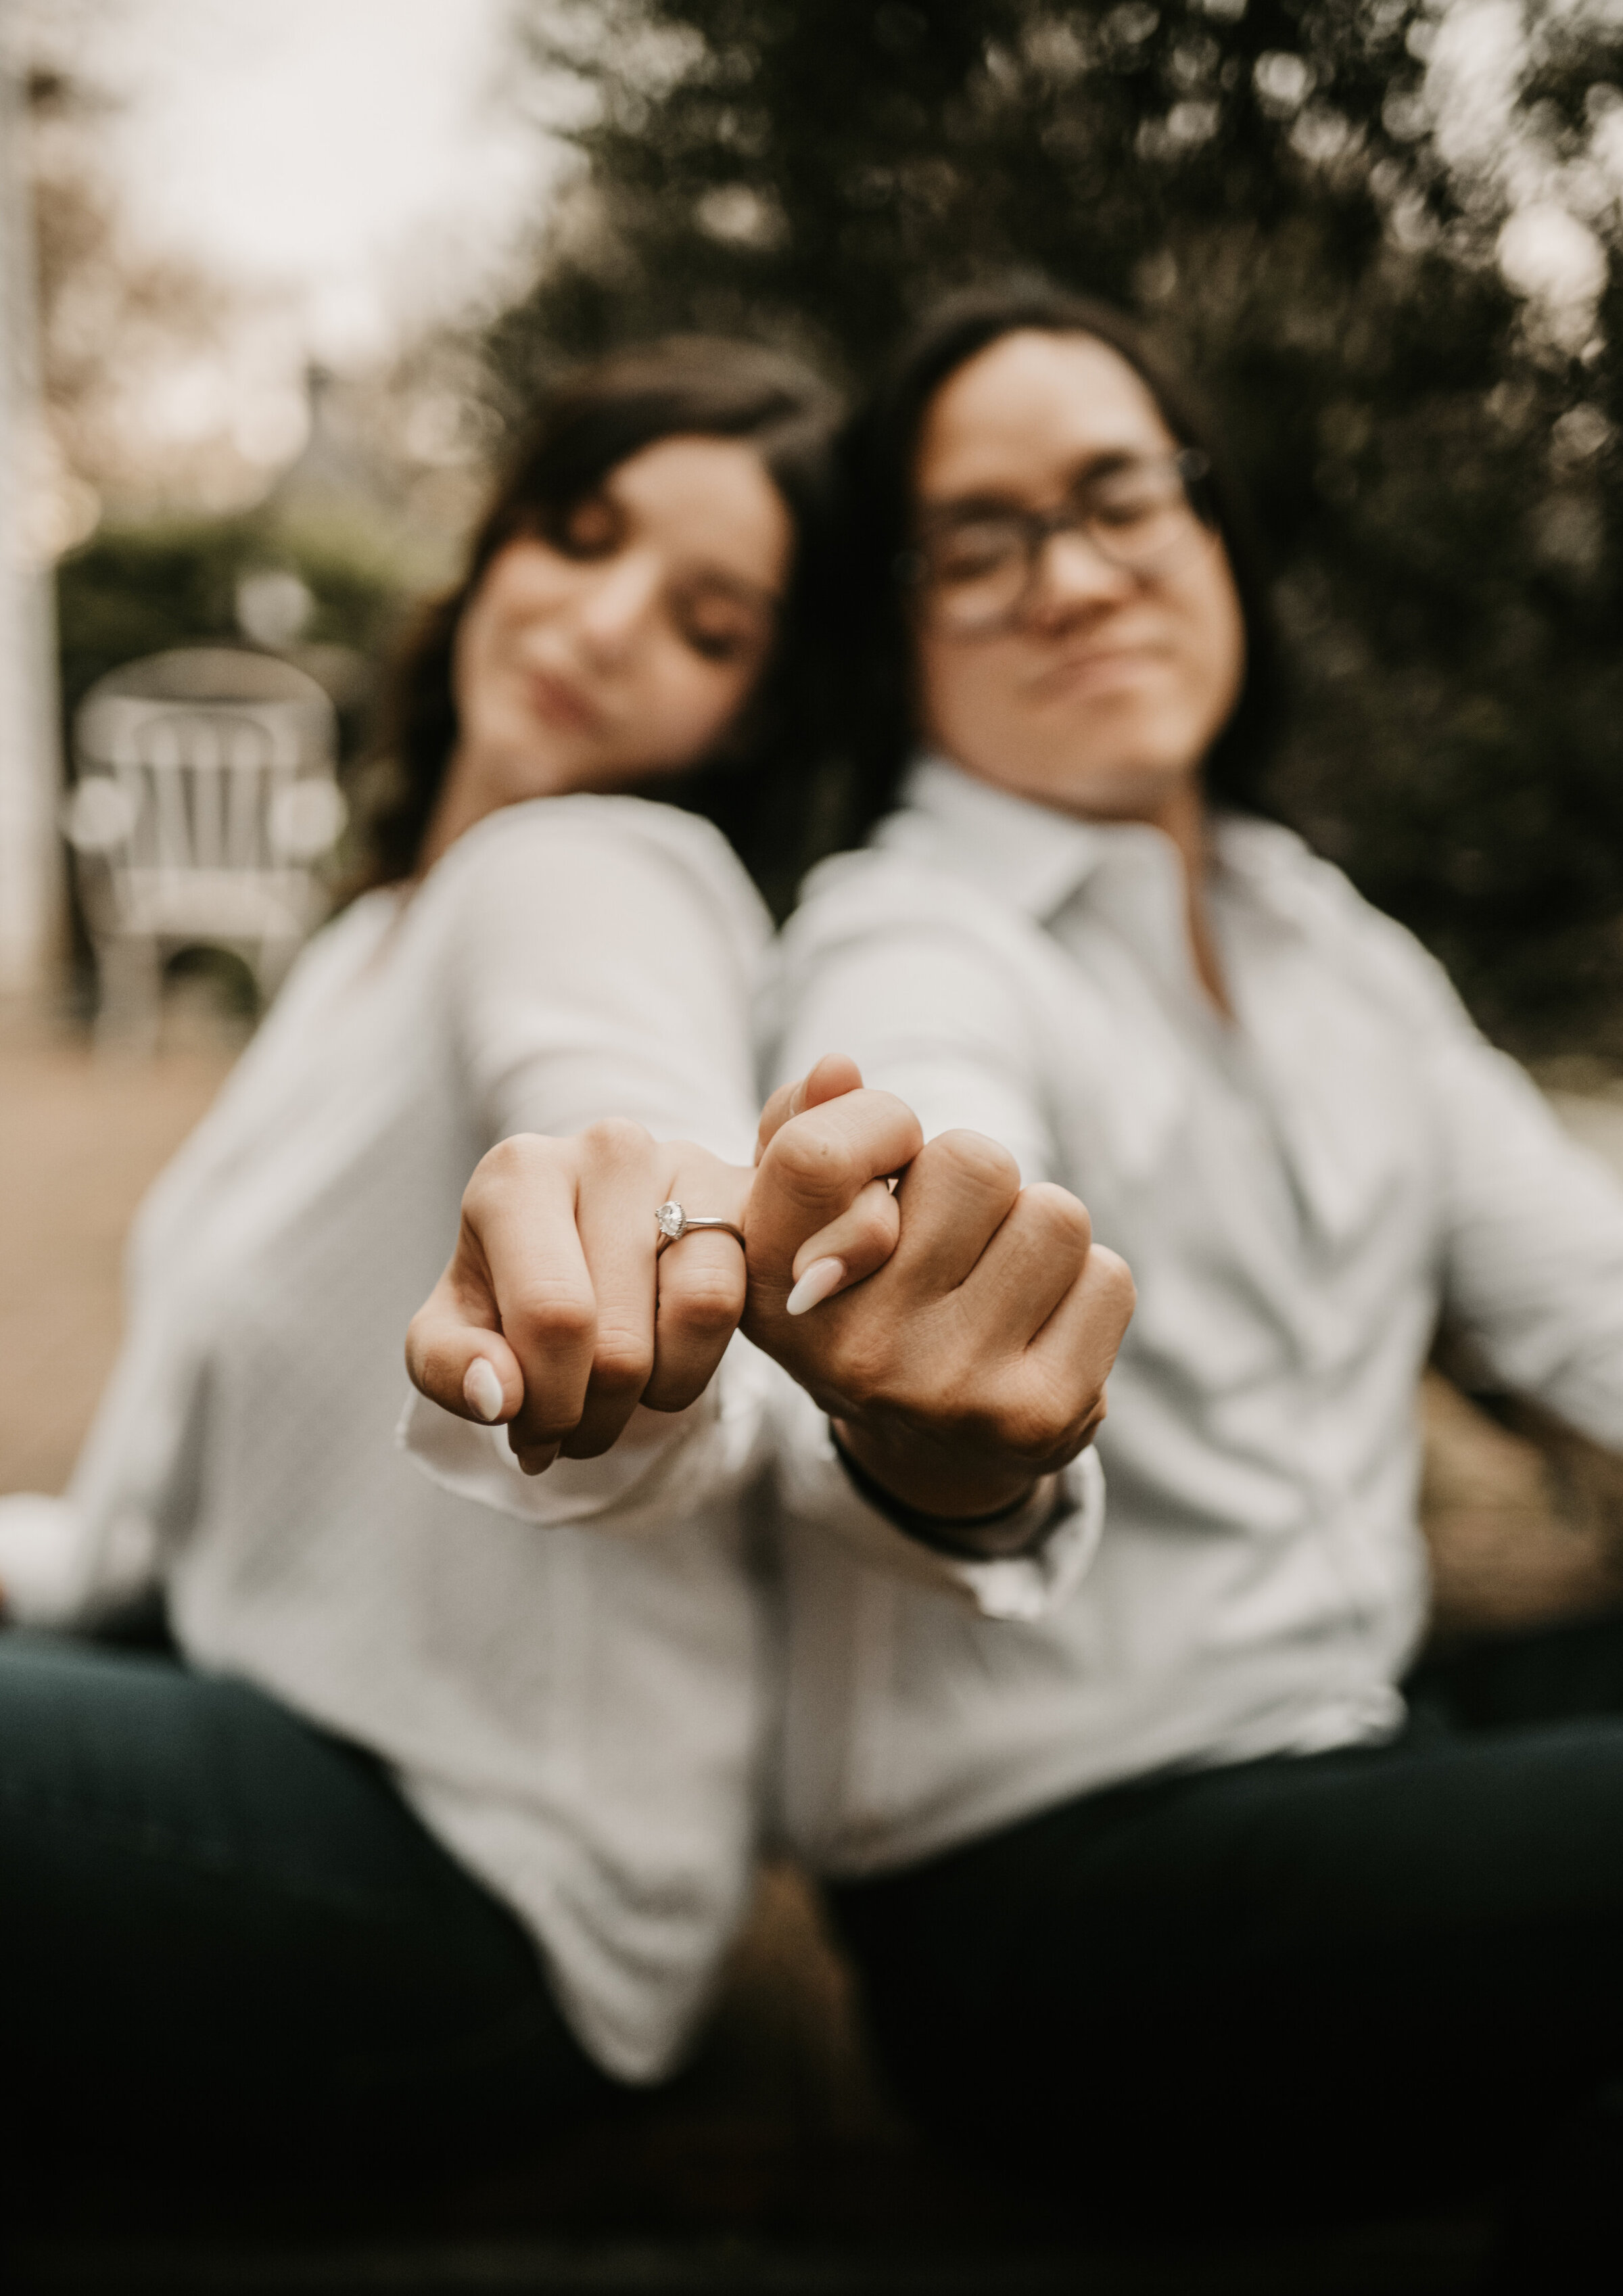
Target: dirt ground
(80, 1139)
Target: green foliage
(135, 590)
(1438, 478)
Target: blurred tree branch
(1292, 193)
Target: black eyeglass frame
(1038, 527)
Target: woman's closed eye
(720, 625)
(593, 528)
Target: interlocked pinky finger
(856, 1244)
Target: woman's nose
(614, 601)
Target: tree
(1282, 190)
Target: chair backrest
(207, 758)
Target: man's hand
(973, 1361)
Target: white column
(32, 887)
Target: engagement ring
(673, 1224)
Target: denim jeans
(1346, 1982)
(220, 1926)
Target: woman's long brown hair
(757, 787)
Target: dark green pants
(1346, 1982)
(218, 1922)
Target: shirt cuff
(818, 1491)
(667, 1464)
(58, 1570)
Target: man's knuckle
(867, 1372)
(1059, 1217)
(1036, 1417)
(1115, 1281)
(813, 1163)
(984, 1164)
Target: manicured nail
(822, 1277)
(481, 1390)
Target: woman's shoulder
(623, 850)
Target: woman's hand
(973, 1361)
(553, 1315)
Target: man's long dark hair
(757, 787)
(880, 454)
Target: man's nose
(1073, 572)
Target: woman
(1162, 1892)
(437, 1824)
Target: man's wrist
(1010, 1529)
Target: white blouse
(575, 1704)
(1299, 1193)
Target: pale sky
(368, 156)
(363, 154)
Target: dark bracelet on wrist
(929, 1529)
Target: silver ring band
(673, 1224)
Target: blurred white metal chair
(205, 793)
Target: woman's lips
(556, 703)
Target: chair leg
(131, 995)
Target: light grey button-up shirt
(1300, 1192)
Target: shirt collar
(1037, 858)
(1033, 857)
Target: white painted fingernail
(481, 1390)
(822, 1277)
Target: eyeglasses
(974, 572)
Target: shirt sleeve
(814, 1490)
(881, 967)
(1533, 1236)
(601, 956)
(664, 1467)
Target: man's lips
(556, 703)
(1098, 667)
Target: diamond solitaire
(673, 1224)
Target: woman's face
(627, 648)
(1103, 696)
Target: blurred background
(295, 273)
(277, 284)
